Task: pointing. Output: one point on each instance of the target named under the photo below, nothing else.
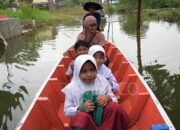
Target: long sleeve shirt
(74, 94)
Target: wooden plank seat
(129, 85)
(149, 115)
(132, 85)
(55, 101)
(37, 119)
(57, 118)
(66, 60)
(60, 74)
(49, 111)
(120, 71)
(116, 62)
(111, 52)
(133, 97)
(134, 105)
(119, 66)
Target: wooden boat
(136, 98)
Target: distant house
(49, 3)
(110, 1)
(43, 1)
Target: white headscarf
(79, 62)
(95, 48)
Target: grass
(68, 15)
(170, 15)
(44, 17)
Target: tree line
(122, 5)
(151, 4)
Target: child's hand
(89, 106)
(103, 100)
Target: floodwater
(29, 59)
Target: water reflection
(23, 50)
(128, 24)
(9, 101)
(21, 55)
(1, 53)
(139, 52)
(138, 37)
(160, 81)
(165, 87)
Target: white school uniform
(75, 89)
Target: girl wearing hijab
(90, 34)
(98, 53)
(82, 110)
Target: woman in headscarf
(81, 111)
(90, 34)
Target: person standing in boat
(80, 47)
(92, 8)
(89, 100)
(90, 34)
(98, 53)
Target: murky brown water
(29, 59)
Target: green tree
(132, 4)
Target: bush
(5, 5)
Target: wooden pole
(138, 29)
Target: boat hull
(135, 97)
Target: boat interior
(48, 114)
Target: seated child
(98, 53)
(81, 47)
(82, 108)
